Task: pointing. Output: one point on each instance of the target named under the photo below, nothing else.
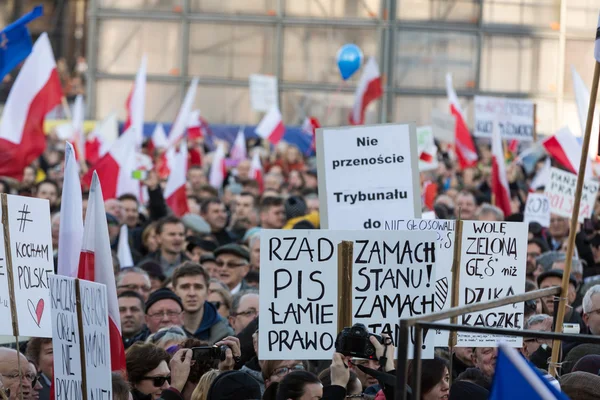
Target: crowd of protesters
(196, 283)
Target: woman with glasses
(147, 370)
(219, 297)
(276, 370)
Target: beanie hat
(295, 206)
(162, 294)
(234, 385)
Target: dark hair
(270, 201)
(131, 293)
(292, 385)
(50, 181)
(120, 387)
(128, 196)
(34, 346)
(142, 358)
(189, 268)
(251, 184)
(194, 197)
(539, 243)
(5, 186)
(252, 276)
(325, 378)
(248, 194)
(206, 203)
(199, 367)
(170, 219)
(474, 375)
(207, 188)
(432, 372)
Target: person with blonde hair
(201, 391)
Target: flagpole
(558, 326)
(535, 123)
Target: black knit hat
(234, 385)
(295, 207)
(162, 294)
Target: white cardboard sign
(393, 278)
(368, 175)
(5, 314)
(32, 258)
(537, 209)
(492, 266)
(561, 194)
(263, 92)
(443, 126)
(426, 145)
(514, 118)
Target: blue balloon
(349, 59)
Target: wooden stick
(535, 138)
(345, 260)
(84, 392)
(558, 326)
(455, 284)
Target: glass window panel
(235, 7)
(226, 105)
(542, 13)
(162, 99)
(443, 10)
(578, 54)
(333, 8)
(417, 109)
(154, 5)
(330, 108)
(309, 52)
(582, 15)
(518, 64)
(125, 42)
(424, 58)
(231, 51)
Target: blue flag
(15, 41)
(516, 378)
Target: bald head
(9, 369)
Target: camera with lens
(207, 353)
(354, 342)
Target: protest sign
(367, 175)
(561, 194)
(515, 118)
(263, 92)
(492, 266)
(393, 277)
(426, 149)
(31, 262)
(94, 321)
(443, 126)
(5, 314)
(65, 338)
(537, 209)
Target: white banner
(263, 92)
(561, 194)
(514, 116)
(443, 126)
(537, 209)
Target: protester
(554, 278)
(219, 296)
(244, 309)
(201, 390)
(163, 309)
(233, 261)
(484, 359)
(276, 370)
(272, 213)
(120, 387)
(9, 370)
(134, 279)
(37, 385)
(41, 352)
(213, 211)
(300, 385)
(462, 358)
(434, 378)
(591, 309)
(234, 385)
(147, 370)
(170, 234)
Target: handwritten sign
(561, 194)
(263, 92)
(5, 315)
(426, 149)
(514, 117)
(443, 126)
(537, 209)
(94, 320)
(492, 266)
(368, 175)
(65, 338)
(393, 277)
(28, 221)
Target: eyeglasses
(217, 304)
(597, 311)
(33, 378)
(230, 264)
(157, 381)
(134, 287)
(169, 314)
(249, 312)
(283, 371)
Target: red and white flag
(70, 234)
(368, 89)
(256, 170)
(96, 265)
(465, 148)
(136, 103)
(217, 169)
(98, 142)
(175, 195)
(116, 168)
(77, 120)
(123, 249)
(238, 150)
(566, 150)
(181, 123)
(35, 93)
(309, 126)
(500, 188)
(193, 129)
(158, 140)
(271, 126)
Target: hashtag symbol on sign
(23, 219)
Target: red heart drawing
(36, 311)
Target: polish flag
(116, 167)
(70, 234)
(256, 171)
(95, 264)
(565, 149)
(77, 124)
(238, 150)
(465, 149)
(500, 188)
(368, 89)
(158, 140)
(136, 103)
(181, 123)
(271, 127)
(309, 126)
(193, 128)
(217, 169)
(175, 188)
(35, 93)
(101, 139)
(123, 250)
